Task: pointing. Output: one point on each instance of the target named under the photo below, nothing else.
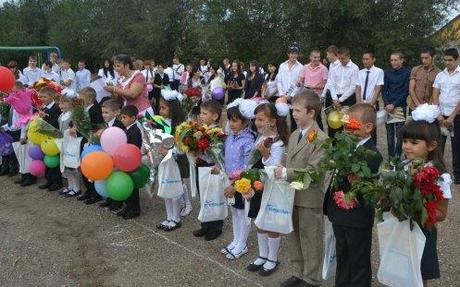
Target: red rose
(203, 144)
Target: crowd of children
(257, 137)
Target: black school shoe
(28, 181)
(213, 234)
(54, 187)
(200, 232)
(84, 196)
(266, 272)
(131, 215)
(92, 200)
(45, 186)
(254, 267)
(292, 282)
(105, 203)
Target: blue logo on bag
(170, 181)
(210, 203)
(274, 209)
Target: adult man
(394, 94)
(332, 57)
(178, 69)
(31, 73)
(288, 76)
(422, 79)
(83, 76)
(446, 94)
(314, 77)
(369, 84)
(341, 84)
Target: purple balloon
(218, 93)
(35, 152)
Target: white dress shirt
(69, 74)
(149, 75)
(83, 79)
(288, 78)
(51, 75)
(342, 81)
(375, 79)
(178, 69)
(169, 71)
(111, 122)
(449, 90)
(30, 76)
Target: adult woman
(235, 82)
(131, 86)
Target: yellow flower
(242, 185)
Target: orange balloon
(97, 165)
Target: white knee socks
(273, 248)
(73, 179)
(235, 229)
(176, 209)
(243, 232)
(262, 241)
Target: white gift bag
(213, 204)
(330, 255)
(70, 151)
(401, 252)
(22, 154)
(193, 175)
(275, 212)
(169, 179)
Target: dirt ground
(46, 240)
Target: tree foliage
(243, 29)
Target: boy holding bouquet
(352, 221)
(304, 151)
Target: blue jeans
(392, 131)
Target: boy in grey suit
(305, 244)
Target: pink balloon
(127, 157)
(112, 138)
(37, 168)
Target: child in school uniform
(110, 111)
(128, 116)
(50, 113)
(238, 147)
(210, 112)
(421, 139)
(271, 126)
(305, 243)
(88, 96)
(170, 109)
(353, 228)
(70, 172)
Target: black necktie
(10, 118)
(365, 84)
(300, 137)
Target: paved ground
(46, 240)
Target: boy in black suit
(88, 96)
(128, 116)
(110, 110)
(50, 113)
(353, 228)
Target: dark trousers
(90, 189)
(132, 203)
(455, 142)
(394, 139)
(353, 247)
(233, 96)
(329, 101)
(175, 85)
(53, 175)
(209, 226)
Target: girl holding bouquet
(171, 111)
(271, 125)
(238, 146)
(422, 141)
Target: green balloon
(51, 161)
(119, 186)
(140, 176)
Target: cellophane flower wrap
(247, 182)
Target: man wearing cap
(288, 76)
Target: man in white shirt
(48, 73)
(178, 69)
(83, 76)
(332, 57)
(341, 84)
(288, 77)
(446, 94)
(67, 75)
(369, 84)
(32, 73)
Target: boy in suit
(353, 228)
(110, 110)
(304, 150)
(128, 116)
(50, 113)
(88, 96)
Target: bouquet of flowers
(247, 182)
(190, 137)
(192, 96)
(80, 118)
(408, 193)
(304, 178)
(43, 82)
(40, 126)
